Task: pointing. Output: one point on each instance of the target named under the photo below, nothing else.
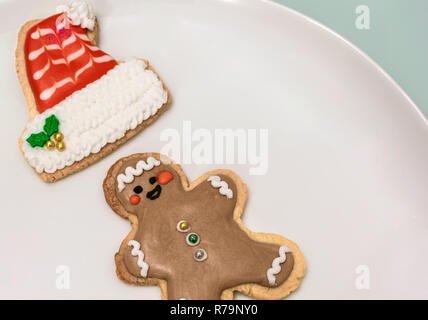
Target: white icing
(53, 47)
(35, 35)
(59, 61)
(104, 58)
(46, 94)
(93, 48)
(79, 13)
(35, 53)
(76, 54)
(98, 114)
(140, 261)
(216, 182)
(83, 36)
(38, 74)
(276, 268)
(82, 69)
(41, 32)
(131, 172)
(71, 39)
(46, 31)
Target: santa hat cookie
(83, 103)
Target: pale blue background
(397, 39)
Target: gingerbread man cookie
(188, 238)
(82, 103)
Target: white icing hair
(80, 13)
(131, 172)
(137, 252)
(276, 267)
(224, 189)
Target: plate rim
(356, 49)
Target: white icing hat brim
(98, 114)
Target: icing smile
(155, 193)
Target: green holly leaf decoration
(38, 139)
(51, 125)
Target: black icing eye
(152, 180)
(138, 189)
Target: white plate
(348, 150)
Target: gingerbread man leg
(190, 236)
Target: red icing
(71, 63)
(164, 177)
(134, 200)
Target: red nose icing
(164, 177)
(134, 199)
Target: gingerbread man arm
(246, 259)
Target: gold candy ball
(58, 136)
(50, 145)
(60, 146)
(184, 225)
